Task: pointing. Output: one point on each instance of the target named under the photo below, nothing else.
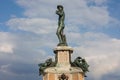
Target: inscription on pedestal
(63, 57)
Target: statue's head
(59, 7)
(79, 58)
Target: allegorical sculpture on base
(63, 68)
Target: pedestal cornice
(63, 48)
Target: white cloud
(85, 38)
(23, 47)
(7, 48)
(3, 68)
(97, 2)
(35, 25)
(36, 8)
(6, 43)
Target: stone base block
(71, 76)
(72, 73)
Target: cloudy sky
(28, 27)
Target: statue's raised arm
(61, 25)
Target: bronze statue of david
(61, 25)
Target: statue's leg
(62, 34)
(59, 34)
(63, 37)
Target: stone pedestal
(63, 66)
(63, 56)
